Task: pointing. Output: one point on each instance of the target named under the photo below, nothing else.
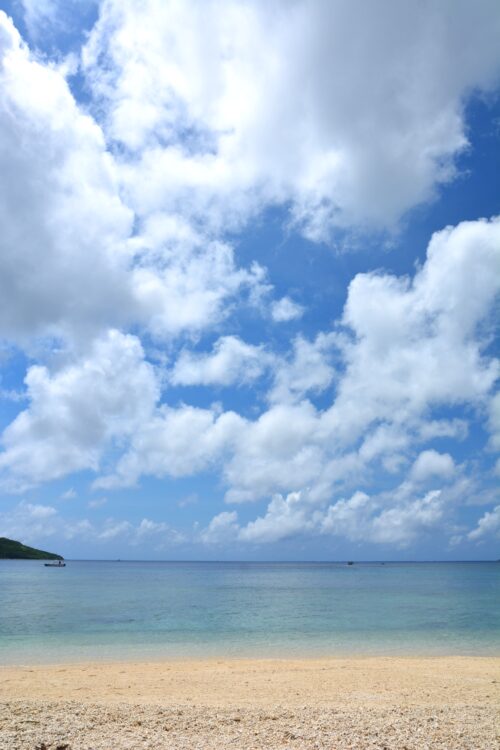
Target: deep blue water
(140, 610)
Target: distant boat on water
(58, 564)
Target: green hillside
(11, 550)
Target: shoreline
(153, 653)
(75, 661)
(445, 703)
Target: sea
(100, 610)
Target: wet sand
(334, 703)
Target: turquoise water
(143, 610)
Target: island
(12, 550)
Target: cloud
(191, 499)
(307, 370)
(359, 518)
(175, 442)
(77, 410)
(48, 19)
(232, 362)
(286, 309)
(222, 528)
(99, 502)
(382, 520)
(115, 529)
(487, 525)
(31, 522)
(351, 118)
(183, 282)
(378, 519)
(69, 494)
(283, 448)
(494, 427)
(415, 344)
(28, 521)
(9, 394)
(285, 517)
(116, 216)
(404, 524)
(440, 428)
(403, 348)
(235, 362)
(37, 13)
(431, 464)
(152, 530)
(104, 263)
(55, 274)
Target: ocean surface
(154, 610)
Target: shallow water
(148, 610)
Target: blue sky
(249, 277)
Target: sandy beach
(335, 703)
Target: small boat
(350, 562)
(58, 564)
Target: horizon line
(273, 562)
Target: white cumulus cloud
(230, 107)
(487, 524)
(431, 464)
(232, 362)
(62, 256)
(75, 411)
(286, 309)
